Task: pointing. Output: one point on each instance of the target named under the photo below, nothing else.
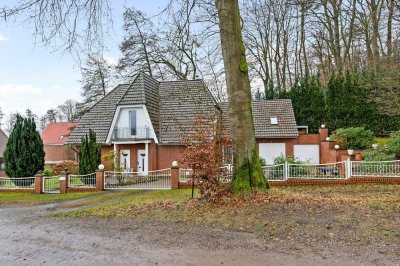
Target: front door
(125, 160)
(142, 161)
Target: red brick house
(55, 137)
(145, 121)
(3, 143)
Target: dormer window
(132, 122)
(274, 120)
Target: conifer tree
(89, 154)
(24, 154)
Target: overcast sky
(37, 77)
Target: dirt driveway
(29, 236)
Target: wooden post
(99, 180)
(175, 177)
(64, 181)
(39, 183)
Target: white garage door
(269, 151)
(308, 153)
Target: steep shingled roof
(181, 101)
(145, 90)
(170, 106)
(262, 113)
(173, 106)
(99, 117)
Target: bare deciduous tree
(69, 110)
(96, 80)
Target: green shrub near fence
(357, 137)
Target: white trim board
(115, 119)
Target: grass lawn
(382, 141)
(138, 199)
(348, 215)
(29, 198)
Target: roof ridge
(130, 86)
(107, 94)
(181, 80)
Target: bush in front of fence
(61, 166)
(393, 145)
(377, 155)
(89, 154)
(356, 138)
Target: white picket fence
(17, 183)
(51, 184)
(375, 169)
(331, 171)
(226, 172)
(338, 170)
(160, 179)
(82, 181)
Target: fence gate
(51, 184)
(160, 179)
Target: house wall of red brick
(55, 153)
(169, 153)
(162, 156)
(326, 148)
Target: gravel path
(28, 236)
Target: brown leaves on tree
(203, 156)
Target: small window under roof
(274, 120)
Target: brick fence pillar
(175, 177)
(64, 181)
(39, 183)
(99, 180)
(323, 133)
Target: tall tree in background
(138, 46)
(52, 115)
(247, 168)
(69, 110)
(10, 122)
(31, 115)
(1, 116)
(24, 154)
(96, 80)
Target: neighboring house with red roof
(3, 143)
(55, 136)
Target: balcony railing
(127, 133)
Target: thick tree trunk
(375, 33)
(389, 41)
(247, 168)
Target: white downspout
(115, 156)
(146, 162)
